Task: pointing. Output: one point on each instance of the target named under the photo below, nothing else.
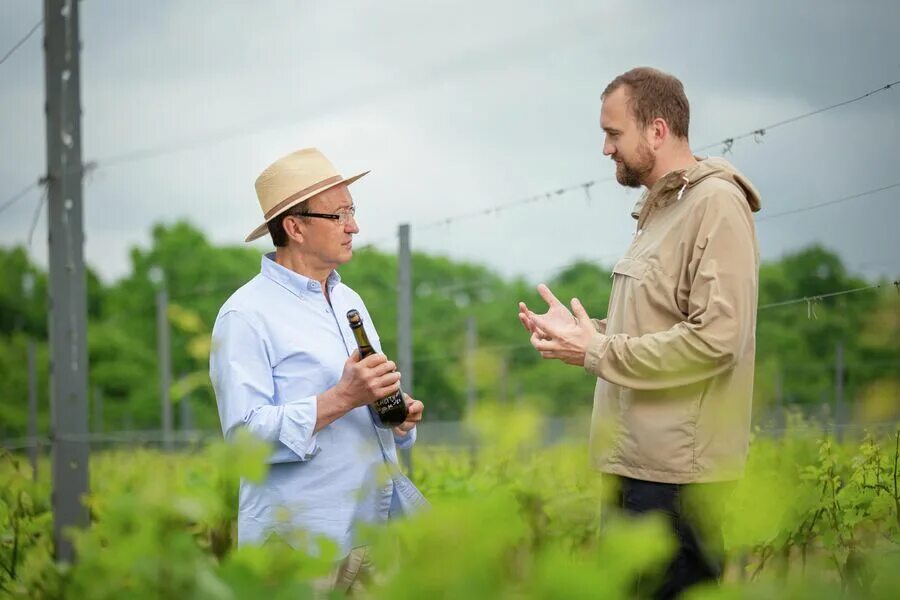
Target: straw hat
(292, 179)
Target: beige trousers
(350, 576)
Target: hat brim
(264, 227)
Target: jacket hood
(672, 185)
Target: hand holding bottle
(366, 380)
(389, 410)
(414, 409)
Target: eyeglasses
(342, 216)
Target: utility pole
(780, 409)
(504, 379)
(98, 410)
(839, 390)
(185, 417)
(404, 323)
(471, 388)
(471, 347)
(163, 354)
(33, 447)
(30, 351)
(68, 305)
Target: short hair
(276, 224)
(654, 94)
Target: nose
(352, 226)
(608, 148)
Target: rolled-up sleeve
(722, 302)
(405, 442)
(241, 374)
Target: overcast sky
(456, 107)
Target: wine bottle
(387, 412)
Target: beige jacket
(674, 357)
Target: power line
(611, 256)
(828, 203)
(810, 301)
(461, 286)
(758, 219)
(37, 215)
(22, 41)
(175, 147)
(200, 141)
(586, 186)
(147, 153)
(20, 195)
(423, 75)
(86, 169)
(726, 143)
(759, 132)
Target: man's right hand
(526, 318)
(367, 380)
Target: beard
(633, 173)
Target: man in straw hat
(280, 369)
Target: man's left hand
(414, 410)
(558, 333)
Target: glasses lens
(346, 215)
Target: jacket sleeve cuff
(599, 325)
(405, 442)
(594, 352)
(298, 425)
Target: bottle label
(386, 404)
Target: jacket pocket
(660, 428)
(630, 267)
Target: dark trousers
(694, 511)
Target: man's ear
(293, 227)
(659, 132)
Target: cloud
(456, 110)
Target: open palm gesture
(558, 333)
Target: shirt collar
(293, 281)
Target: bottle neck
(362, 340)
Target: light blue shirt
(276, 345)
